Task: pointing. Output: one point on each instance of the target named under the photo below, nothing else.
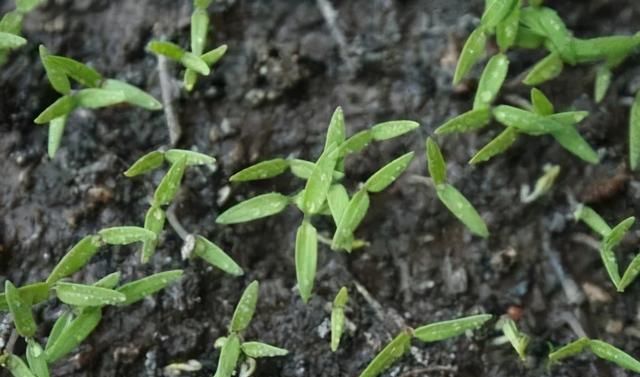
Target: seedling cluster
(11, 27)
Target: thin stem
(166, 87)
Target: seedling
(610, 239)
(195, 62)
(518, 339)
(11, 27)
(234, 349)
(449, 195)
(323, 194)
(99, 92)
(599, 348)
(634, 134)
(427, 334)
(543, 184)
(337, 317)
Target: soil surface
(273, 95)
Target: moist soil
(272, 95)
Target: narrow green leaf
(259, 350)
(527, 38)
(110, 281)
(336, 134)
(56, 129)
(315, 191)
(608, 352)
(11, 22)
(124, 235)
(96, 98)
(338, 318)
(546, 69)
(592, 219)
(338, 200)
(255, 208)
(389, 354)
(355, 143)
(133, 94)
(435, 163)
(87, 295)
(381, 179)
(518, 340)
(526, 121)
(303, 169)
(78, 71)
(570, 118)
(351, 218)
(20, 311)
(245, 309)
(540, 102)
(572, 141)
(168, 49)
(153, 221)
(610, 262)
(448, 329)
(56, 76)
(61, 107)
(491, 81)
(202, 4)
(507, 29)
(74, 333)
(195, 63)
(192, 158)
(469, 121)
(26, 6)
(472, 51)
(199, 26)
(634, 134)
(141, 288)
(568, 350)
(462, 209)
(496, 11)
(36, 359)
(306, 258)
(215, 256)
(213, 56)
(170, 183)
(190, 79)
(604, 48)
(75, 259)
(145, 164)
(261, 170)
(17, 367)
(58, 328)
(630, 274)
(228, 357)
(32, 294)
(498, 145)
(603, 80)
(11, 41)
(392, 129)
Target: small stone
(614, 326)
(595, 294)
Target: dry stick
(571, 290)
(166, 88)
(377, 307)
(330, 16)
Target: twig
(167, 90)
(175, 223)
(377, 308)
(330, 17)
(571, 290)
(434, 368)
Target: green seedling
(519, 340)
(338, 317)
(234, 349)
(611, 237)
(634, 134)
(449, 195)
(98, 92)
(11, 27)
(323, 194)
(427, 334)
(599, 348)
(543, 184)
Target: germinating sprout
(98, 92)
(519, 340)
(338, 317)
(323, 194)
(449, 195)
(634, 134)
(542, 186)
(429, 333)
(611, 237)
(11, 27)
(599, 348)
(234, 349)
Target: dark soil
(272, 95)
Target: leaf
(245, 309)
(507, 29)
(608, 352)
(141, 288)
(351, 218)
(96, 98)
(202, 4)
(603, 80)
(132, 94)
(20, 311)
(491, 81)
(592, 219)
(392, 129)
(336, 134)
(80, 72)
(469, 121)
(87, 295)
(75, 259)
(145, 164)
(634, 134)
(170, 183)
(56, 129)
(527, 38)
(462, 209)
(61, 107)
(337, 317)
(338, 200)
(124, 235)
(228, 357)
(569, 117)
(213, 56)
(540, 102)
(215, 256)
(192, 158)
(448, 329)
(546, 69)
(518, 340)
(613, 238)
(472, 51)
(153, 221)
(74, 333)
(572, 141)
(604, 48)
(58, 328)
(435, 163)
(525, 121)
(630, 274)
(32, 294)
(390, 354)
(11, 22)
(110, 281)
(16, 366)
(568, 350)
(261, 170)
(498, 145)
(11, 41)
(355, 143)
(168, 49)
(543, 184)
(303, 169)
(306, 258)
(315, 191)
(26, 6)
(199, 26)
(255, 208)
(258, 350)
(496, 11)
(195, 63)
(381, 179)
(56, 76)
(35, 358)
